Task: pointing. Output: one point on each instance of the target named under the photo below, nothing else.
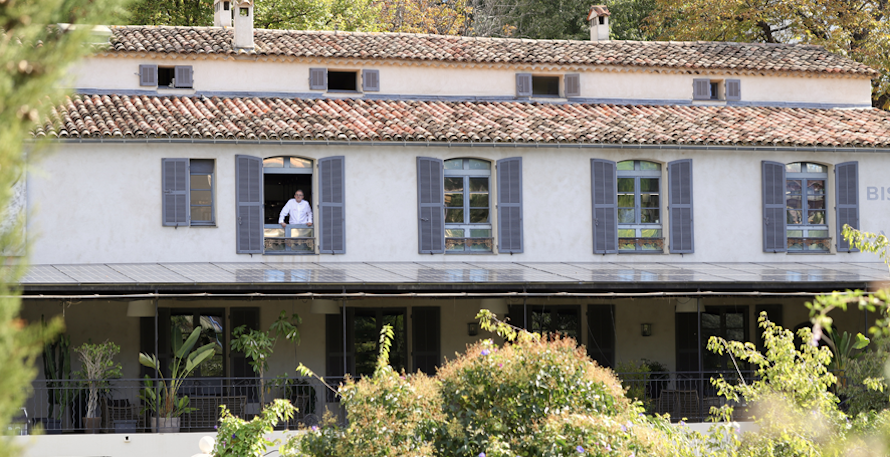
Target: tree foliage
(541, 19)
(33, 58)
(425, 16)
(857, 29)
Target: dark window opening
(165, 76)
(602, 20)
(715, 91)
(225, 6)
(343, 80)
(601, 334)
(564, 320)
(278, 189)
(363, 327)
(545, 85)
(244, 11)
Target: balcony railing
(60, 406)
(293, 239)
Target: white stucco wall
(101, 203)
(211, 75)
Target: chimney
(222, 13)
(243, 24)
(599, 23)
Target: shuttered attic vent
(180, 76)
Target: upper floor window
(179, 76)
(187, 192)
(716, 89)
(639, 206)
(283, 177)
(807, 226)
(201, 192)
(529, 85)
(467, 205)
(344, 80)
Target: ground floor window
(548, 319)
(728, 322)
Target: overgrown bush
(869, 366)
(240, 438)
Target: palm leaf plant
(164, 400)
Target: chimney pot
(599, 22)
(222, 13)
(243, 24)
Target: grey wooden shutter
(430, 206)
(701, 89)
(318, 78)
(249, 203)
(680, 206)
(250, 318)
(332, 216)
(605, 206)
(601, 334)
(426, 328)
(573, 85)
(175, 191)
(523, 85)
(733, 89)
(510, 205)
(183, 76)
(775, 238)
(371, 80)
(148, 75)
(847, 184)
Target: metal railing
(61, 406)
(293, 239)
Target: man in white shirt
(299, 211)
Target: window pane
(818, 233)
(795, 244)
(795, 233)
(627, 233)
(454, 184)
(545, 85)
(735, 334)
(816, 202)
(816, 217)
(793, 167)
(455, 244)
(476, 164)
(792, 187)
(273, 162)
(709, 320)
(793, 202)
(454, 215)
(201, 214)
(479, 200)
(201, 197)
(649, 216)
(626, 216)
(454, 200)
(735, 320)
(818, 245)
(478, 215)
(815, 187)
(480, 233)
(816, 168)
(365, 343)
(454, 164)
(650, 233)
(626, 201)
(454, 233)
(649, 166)
(794, 216)
(296, 162)
(649, 200)
(478, 184)
(199, 182)
(300, 232)
(625, 184)
(626, 165)
(648, 184)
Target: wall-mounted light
(646, 329)
(472, 328)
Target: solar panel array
(452, 272)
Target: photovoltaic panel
(46, 274)
(93, 273)
(202, 272)
(152, 273)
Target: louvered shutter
(332, 216)
(148, 75)
(371, 80)
(523, 85)
(847, 183)
(430, 205)
(733, 89)
(680, 206)
(318, 78)
(775, 238)
(183, 75)
(510, 205)
(249, 196)
(175, 191)
(426, 326)
(605, 206)
(701, 89)
(573, 85)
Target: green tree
(34, 56)
(857, 29)
(172, 12)
(628, 19)
(541, 19)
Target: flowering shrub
(240, 438)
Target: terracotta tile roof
(400, 46)
(119, 116)
(598, 11)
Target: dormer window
(343, 80)
(716, 89)
(179, 76)
(528, 85)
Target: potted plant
(164, 399)
(57, 373)
(258, 345)
(98, 366)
